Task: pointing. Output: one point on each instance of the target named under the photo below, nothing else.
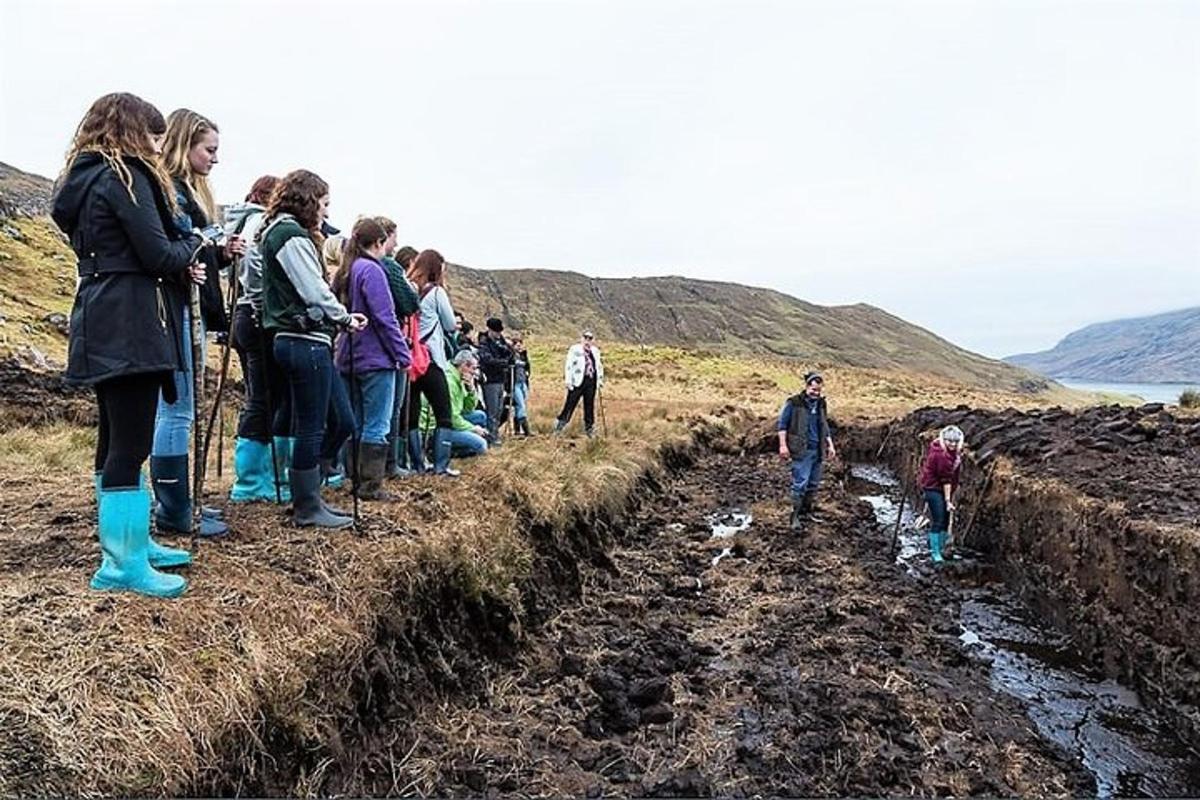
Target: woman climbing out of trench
(189, 155)
(116, 203)
(939, 481)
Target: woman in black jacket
(189, 154)
(113, 201)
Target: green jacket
(403, 294)
(461, 401)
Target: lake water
(1150, 392)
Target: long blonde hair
(119, 126)
(333, 252)
(185, 129)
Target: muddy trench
(695, 646)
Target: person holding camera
(115, 202)
(495, 360)
(584, 375)
(302, 315)
(521, 370)
(370, 361)
(189, 154)
(805, 440)
(264, 415)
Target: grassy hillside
(722, 318)
(728, 319)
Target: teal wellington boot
(935, 547)
(125, 541)
(253, 480)
(280, 469)
(160, 555)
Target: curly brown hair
(299, 193)
(119, 126)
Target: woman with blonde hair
(116, 203)
(331, 255)
(189, 154)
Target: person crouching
(804, 439)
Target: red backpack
(420, 353)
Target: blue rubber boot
(416, 451)
(441, 453)
(172, 489)
(935, 547)
(251, 466)
(160, 555)
(124, 540)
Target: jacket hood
(68, 200)
(237, 213)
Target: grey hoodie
(244, 219)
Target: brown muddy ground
(1146, 458)
(793, 666)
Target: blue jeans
(520, 397)
(173, 421)
(806, 473)
(372, 396)
(939, 517)
(469, 443)
(322, 419)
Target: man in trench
(804, 439)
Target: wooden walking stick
(197, 332)
(214, 414)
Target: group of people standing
(345, 342)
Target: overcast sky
(1001, 173)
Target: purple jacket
(381, 344)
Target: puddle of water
(1128, 749)
(727, 524)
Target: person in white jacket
(584, 374)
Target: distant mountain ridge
(1163, 348)
(693, 314)
(720, 317)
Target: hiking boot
(124, 523)
(558, 427)
(308, 509)
(371, 462)
(172, 490)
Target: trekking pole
(356, 390)
(603, 418)
(197, 333)
(215, 414)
